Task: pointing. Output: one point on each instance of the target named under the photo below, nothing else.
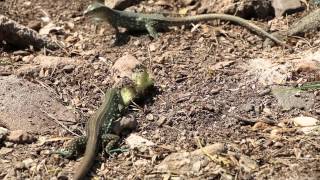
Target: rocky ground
(216, 86)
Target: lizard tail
(88, 159)
(225, 17)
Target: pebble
(19, 165)
(27, 162)
(264, 92)
(3, 132)
(278, 144)
(150, 117)
(68, 68)
(4, 150)
(304, 121)
(8, 144)
(20, 137)
(161, 120)
(248, 107)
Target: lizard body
(153, 22)
(98, 128)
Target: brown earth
(195, 100)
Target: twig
(58, 122)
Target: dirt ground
(192, 99)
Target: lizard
(305, 24)
(99, 126)
(153, 22)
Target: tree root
(21, 36)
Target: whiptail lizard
(154, 22)
(98, 132)
(100, 125)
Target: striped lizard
(99, 126)
(154, 22)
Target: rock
(264, 92)
(245, 8)
(221, 65)
(287, 98)
(124, 126)
(269, 73)
(3, 133)
(137, 142)
(278, 144)
(68, 68)
(282, 7)
(304, 121)
(123, 67)
(50, 27)
(4, 150)
(149, 117)
(248, 107)
(189, 162)
(30, 105)
(161, 120)
(35, 25)
(247, 163)
(153, 47)
(20, 137)
(188, 2)
(28, 162)
(47, 64)
(8, 144)
(312, 130)
(307, 66)
(260, 126)
(19, 166)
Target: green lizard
(99, 126)
(153, 22)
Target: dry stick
(21, 36)
(58, 122)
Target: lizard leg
(74, 148)
(108, 141)
(151, 30)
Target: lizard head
(96, 10)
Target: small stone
(248, 107)
(161, 120)
(4, 150)
(153, 47)
(8, 144)
(137, 142)
(20, 137)
(264, 92)
(27, 162)
(149, 117)
(282, 7)
(19, 166)
(137, 43)
(3, 133)
(28, 58)
(215, 91)
(260, 126)
(68, 68)
(312, 130)
(35, 25)
(304, 121)
(247, 163)
(188, 2)
(278, 144)
(70, 25)
(124, 126)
